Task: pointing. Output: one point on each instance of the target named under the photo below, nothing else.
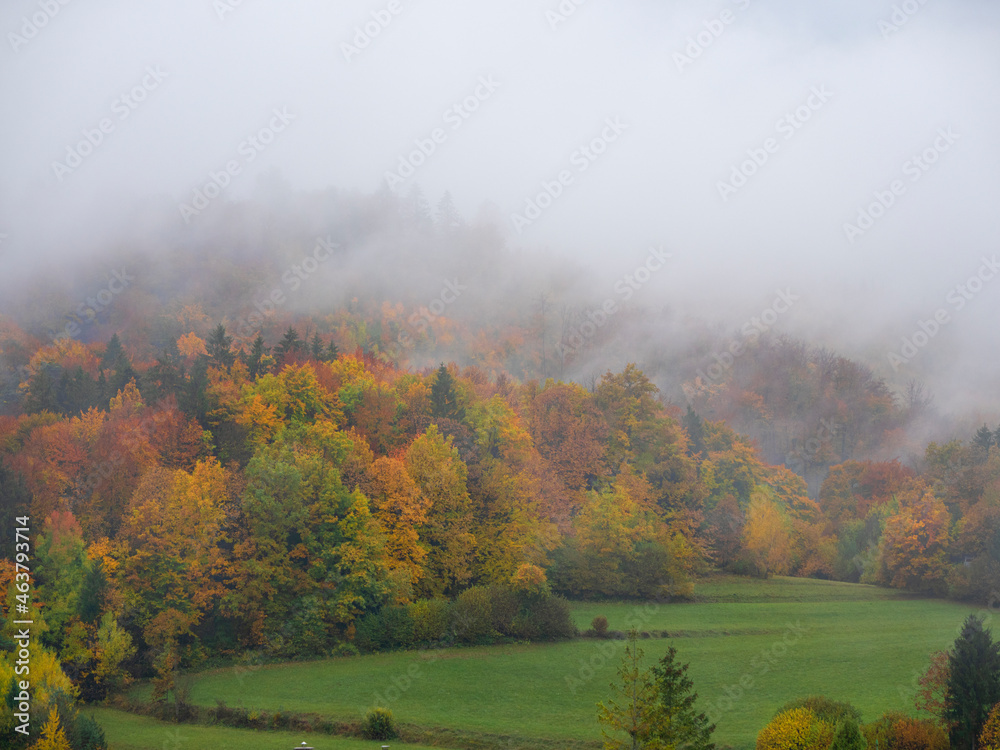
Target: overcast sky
(743, 136)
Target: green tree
(633, 709)
(848, 736)
(444, 400)
(973, 682)
(695, 429)
(219, 347)
(677, 722)
(257, 353)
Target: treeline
(292, 499)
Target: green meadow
(751, 646)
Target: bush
(548, 617)
(881, 733)
(391, 628)
(919, 734)
(600, 625)
(379, 725)
(505, 605)
(472, 616)
(848, 736)
(795, 729)
(431, 620)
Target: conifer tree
(973, 683)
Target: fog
(842, 153)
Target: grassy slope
(790, 637)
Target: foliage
(973, 682)
(990, 737)
(795, 729)
(848, 736)
(379, 725)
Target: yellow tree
(400, 508)
(53, 737)
(915, 541)
(441, 475)
(766, 536)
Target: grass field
(752, 646)
(128, 732)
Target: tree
(990, 738)
(695, 429)
(932, 693)
(219, 347)
(678, 723)
(53, 737)
(444, 401)
(766, 537)
(316, 346)
(848, 736)
(973, 683)
(257, 353)
(915, 541)
(634, 706)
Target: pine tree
(332, 352)
(316, 347)
(257, 352)
(112, 353)
(289, 343)
(443, 397)
(448, 219)
(219, 347)
(973, 683)
(695, 429)
(677, 723)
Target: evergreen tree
(165, 377)
(91, 599)
(448, 219)
(219, 347)
(289, 343)
(112, 353)
(444, 400)
(677, 723)
(973, 683)
(982, 443)
(257, 352)
(43, 391)
(332, 352)
(695, 429)
(316, 347)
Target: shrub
(600, 625)
(990, 738)
(918, 734)
(345, 649)
(472, 616)
(505, 605)
(848, 736)
(431, 620)
(795, 729)
(881, 733)
(379, 725)
(545, 618)
(390, 628)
